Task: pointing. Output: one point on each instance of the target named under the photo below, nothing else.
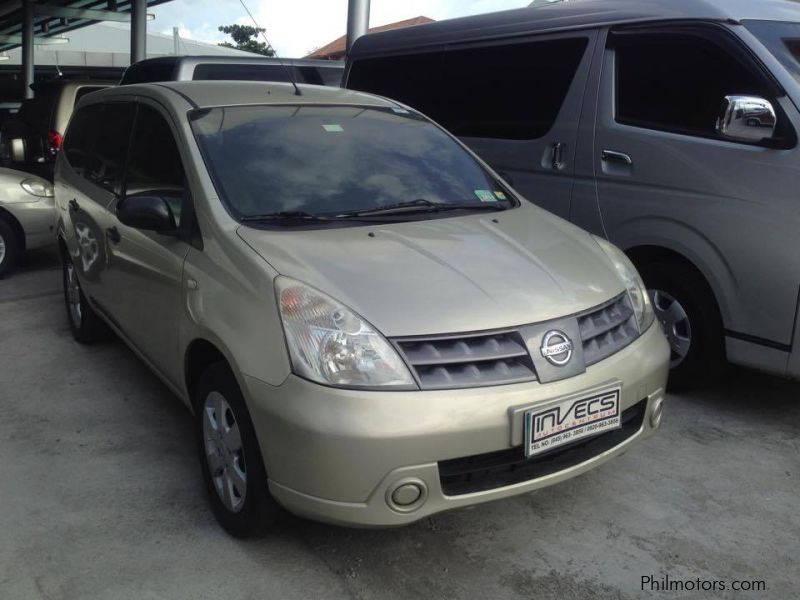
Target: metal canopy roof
(53, 17)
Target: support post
(357, 20)
(27, 48)
(138, 30)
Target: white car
(27, 216)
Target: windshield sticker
(332, 127)
(485, 196)
(500, 195)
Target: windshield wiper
(420, 205)
(285, 215)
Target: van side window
(677, 82)
(80, 137)
(155, 164)
(505, 91)
(112, 136)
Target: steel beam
(138, 30)
(27, 48)
(357, 20)
(46, 10)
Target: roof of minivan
(205, 94)
(241, 60)
(572, 14)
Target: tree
(244, 36)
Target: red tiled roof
(336, 49)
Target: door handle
(74, 206)
(558, 155)
(614, 156)
(112, 233)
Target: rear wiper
(420, 205)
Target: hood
(451, 274)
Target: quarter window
(80, 137)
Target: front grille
(506, 467)
(479, 359)
(607, 329)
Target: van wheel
(9, 249)
(230, 456)
(87, 327)
(687, 311)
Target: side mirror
(747, 119)
(17, 150)
(151, 213)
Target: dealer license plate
(570, 420)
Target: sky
(297, 27)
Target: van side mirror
(747, 119)
(148, 212)
(17, 150)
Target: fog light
(655, 414)
(407, 495)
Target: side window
(112, 137)
(80, 136)
(155, 164)
(507, 91)
(677, 82)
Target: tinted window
(150, 70)
(678, 82)
(154, 164)
(230, 72)
(80, 136)
(782, 39)
(327, 159)
(508, 91)
(112, 139)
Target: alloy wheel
(224, 451)
(675, 324)
(2, 249)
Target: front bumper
(336, 455)
(37, 219)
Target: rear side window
(111, 143)
(230, 72)
(507, 91)
(155, 164)
(677, 82)
(150, 70)
(80, 136)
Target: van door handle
(74, 206)
(112, 233)
(558, 155)
(614, 156)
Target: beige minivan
(369, 325)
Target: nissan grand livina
(368, 324)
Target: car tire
(9, 249)
(688, 313)
(86, 325)
(230, 456)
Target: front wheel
(685, 307)
(230, 456)
(9, 248)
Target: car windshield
(782, 39)
(328, 160)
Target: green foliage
(246, 38)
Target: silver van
(670, 128)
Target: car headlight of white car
(37, 187)
(637, 292)
(330, 344)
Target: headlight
(330, 344)
(637, 292)
(37, 187)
